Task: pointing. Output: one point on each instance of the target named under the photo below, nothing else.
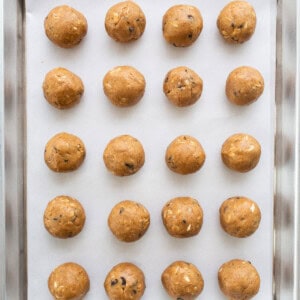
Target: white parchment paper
(155, 122)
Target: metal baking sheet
(103, 252)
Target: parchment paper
(155, 122)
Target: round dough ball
(125, 281)
(129, 220)
(125, 22)
(239, 216)
(64, 152)
(124, 86)
(182, 25)
(64, 217)
(244, 85)
(69, 281)
(185, 155)
(182, 86)
(65, 26)
(241, 152)
(124, 155)
(182, 217)
(62, 88)
(182, 280)
(238, 280)
(237, 21)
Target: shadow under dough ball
(64, 217)
(64, 152)
(125, 281)
(65, 26)
(241, 152)
(244, 85)
(182, 217)
(182, 86)
(124, 86)
(69, 281)
(62, 88)
(124, 155)
(184, 155)
(182, 25)
(238, 279)
(239, 216)
(125, 22)
(129, 221)
(237, 21)
(182, 280)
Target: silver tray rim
(13, 271)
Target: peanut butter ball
(182, 25)
(129, 220)
(125, 22)
(124, 86)
(237, 22)
(64, 217)
(182, 86)
(184, 155)
(65, 26)
(182, 280)
(64, 152)
(244, 85)
(69, 281)
(182, 217)
(239, 216)
(125, 281)
(62, 88)
(238, 280)
(241, 152)
(124, 155)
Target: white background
(155, 122)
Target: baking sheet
(155, 122)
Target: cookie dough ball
(239, 216)
(185, 155)
(237, 22)
(65, 26)
(62, 88)
(124, 86)
(182, 280)
(125, 281)
(238, 280)
(244, 85)
(64, 217)
(182, 25)
(182, 86)
(69, 281)
(241, 152)
(125, 22)
(182, 217)
(64, 152)
(124, 155)
(129, 220)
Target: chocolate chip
(241, 26)
(190, 36)
(134, 291)
(66, 160)
(114, 282)
(184, 221)
(121, 210)
(123, 280)
(131, 29)
(129, 166)
(190, 17)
